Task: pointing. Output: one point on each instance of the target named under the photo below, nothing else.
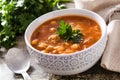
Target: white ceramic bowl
(68, 64)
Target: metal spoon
(18, 60)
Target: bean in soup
(46, 39)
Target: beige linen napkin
(102, 7)
(111, 56)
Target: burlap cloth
(111, 56)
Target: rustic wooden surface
(36, 73)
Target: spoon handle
(26, 76)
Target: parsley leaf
(77, 36)
(16, 15)
(65, 32)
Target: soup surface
(45, 39)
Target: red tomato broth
(90, 29)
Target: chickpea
(55, 52)
(78, 26)
(60, 52)
(96, 28)
(35, 42)
(75, 46)
(71, 23)
(69, 50)
(59, 48)
(87, 40)
(54, 38)
(53, 22)
(42, 45)
(66, 44)
(52, 29)
(49, 49)
(84, 46)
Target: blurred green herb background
(16, 15)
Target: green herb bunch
(65, 32)
(15, 15)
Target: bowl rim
(74, 53)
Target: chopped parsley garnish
(65, 32)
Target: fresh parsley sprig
(65, 32)
(15, 15)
